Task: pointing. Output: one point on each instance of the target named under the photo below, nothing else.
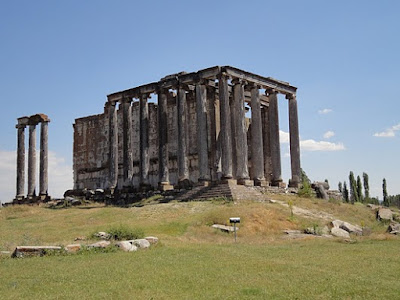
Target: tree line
(353, 192)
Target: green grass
(194, 261)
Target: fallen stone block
(384, 214)
(335, 224)
(126, 246)
(27, 251)
(103, 235)
(140, 243)
(100, 244)
(338, 232)
(224, 228)
(350, 228)
(72, 248)
(394, 228)
(152, 239)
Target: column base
(19, 197)
(294, 184)
(145, 187)
(165, 186)
(229, 181)
(278, 183)
(260, 182)
(245, 182)
(44, 197)
(203, 182)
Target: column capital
(126, 99)
(20, 126)
(240, 81)
(270, 91)
(290, 96)
(145, 96)
(223, 75)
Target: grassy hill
(194, 260)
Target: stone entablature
(197, 132)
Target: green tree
(305, 189)
(345, 192)
(359, 190)
(366, 186)
(340, 187)
(385, 195)
(353, 188)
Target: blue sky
(63, 57)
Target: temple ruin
(32, 195)
(194, 133)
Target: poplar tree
(366, 186)
(340, 187)
(385, 195)
(353, 188)
(345, 192)
(359, 190)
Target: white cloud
(325, 111)
(60, 175)
(389, 132)
(312, 145)
(328, 134)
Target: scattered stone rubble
(127, 246)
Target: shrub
(122, 232)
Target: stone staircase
(225, 190)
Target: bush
(305, 191)
(122, 232)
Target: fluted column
(202, 136)
(144, 140)
(212, 131)
(20, 161)
(242, 171)
(127, 141)
(32, 161)
(226, 139)
(257, 154)
(266, 144)
(294, 141)
(43, 168)
(113, 145)
(163, 140)
(274, 137)
(183, 169)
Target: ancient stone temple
(216, 125)
(32, 194)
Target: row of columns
(265, 158)
(32, 122)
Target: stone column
(43, 169)
(163, 158)
(183, 169)
(32, 161)
(20, 162)
(294, 142)
(226, 139)
(202, 136)
(144, 140)
(274, 138)
(257, 154)
(127, 141)
(212, 131)
(113, 145)
(242, 170)
(266, 145)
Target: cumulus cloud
(60, 175)
(312, 145)
(328, 134)
(389, 132)
(325, 111)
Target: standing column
(113, 145)
(212, 131)
(144, 140)
(226, 140)
(266, 144)
(163, 141)
(257, 154)
(202, 137)
(20, 161)
(294, 142)
(242, 171)
(43, 169)
(32, 160)
(127, 141)
(183, 170)
(274, 138)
